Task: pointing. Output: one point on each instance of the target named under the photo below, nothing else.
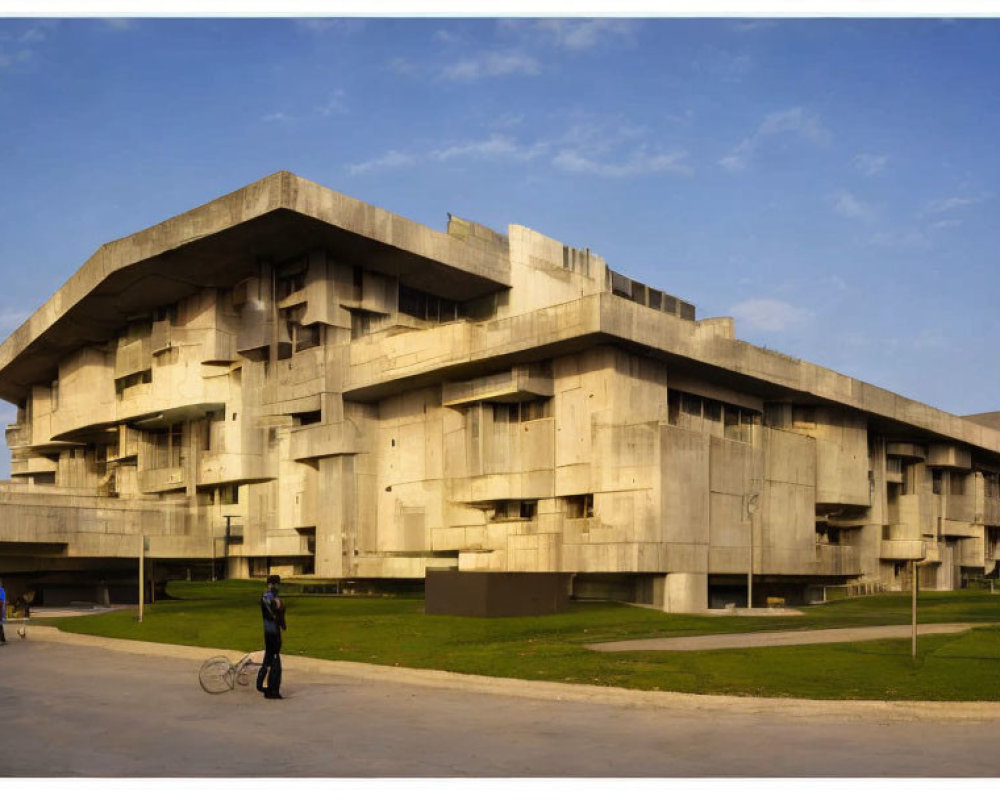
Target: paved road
(105, 711)
(730, 641)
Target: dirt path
(728, 641)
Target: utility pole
(913, 648)
(142, 565)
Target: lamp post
(752, 501)
(143, 545)
(913, 637)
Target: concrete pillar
(685, 592)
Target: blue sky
(829, 183)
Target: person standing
(273, 612)
(3, 613)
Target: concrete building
(357, 396)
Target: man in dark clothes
(273, 612)
(3, 613)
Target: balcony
(837, 559)
(18, 435)
(518, 384)
(319, 441)
(216, 468)
(163, 479)
(902, 550)
(133, 357)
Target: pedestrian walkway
(301, 668)
(731, 641)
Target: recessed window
(579, 506)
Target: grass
(395, 631)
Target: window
(291, 280)
(306, 336)
(168, 447)
(893, 465)
(991, 484)
(512, 510)
(957, 482)
(713, 410)
(426, 306)
(579, 506)
(936, 481)
(310, 418)
(135, 379)
(522, 412)
(229, 494)
(683, 407)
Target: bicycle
(218, 674)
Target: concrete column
(685, 592)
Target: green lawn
(395, 631)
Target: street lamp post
(913, 637)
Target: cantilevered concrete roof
(219, 243)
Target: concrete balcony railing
(837, 559)
(513, 385)
(902, 550)
(318, 441)
(133, 357)
(216, 468)
(31, 465)
(18, 435)
(163, 479)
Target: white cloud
(960, 201)
(584, 34)
(717, 62)
(639, 163)
(393, 159)
(497, 146)
(901, 240)
(869, 164)
(446, 37)
(797, 121)
(794, 122)
(319, 25)
(492, 65)
(749, 25)
(276, 116)
(119, 23)
(767, 314)
(847, 205)
(334, 105)
(946, 223)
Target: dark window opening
(423, 305)
(579, 506)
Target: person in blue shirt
(3, 613)
(273, 612)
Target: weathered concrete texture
(365, 398)
(107, 712)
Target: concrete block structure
(289, 380)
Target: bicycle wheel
(246, 671)
(216, 675)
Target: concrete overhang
(736, 364)
(221, 242)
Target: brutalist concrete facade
(357, 396)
